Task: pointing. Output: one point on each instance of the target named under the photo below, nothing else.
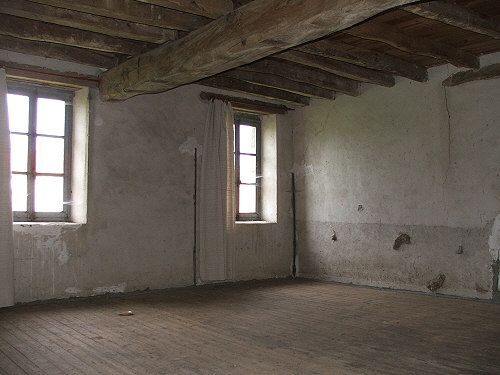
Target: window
(40, 122)
(247, 160)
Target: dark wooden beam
(207, 8)
(85, 21)
(366, 58)
(58, 51)
(340, 68)
(236, 85)
(305, 74)
(421, 46)
(130, 10)
(45, 32)
(271, 80)
(458, 16)
(488, 72)
(247, 105)
(29, 73)
(256, 30)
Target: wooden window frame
(251, 120)
(34, 92)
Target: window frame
(34, 92)
(255, 121)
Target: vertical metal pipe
(294, 266)
(194, 204)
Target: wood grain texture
(414, 44)
(254, 31)
(366, 58)
(455, 15)
(85, 21)
(291, 327)
(207, 8)
(485, 73)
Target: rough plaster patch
(73, 290)
(494, 240)
(120, 288)
(189, 146)
(63, 256)
(303, 169)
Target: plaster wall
(139, 228)
(417, 159)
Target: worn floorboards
(270, 327)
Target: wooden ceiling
(403, 41)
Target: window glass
(49, 194)
(19, 192)
(248, 203)
(248, 169)
(248, 139)
(18, 153)
(18, 112)
(50, 116)
(49, 155)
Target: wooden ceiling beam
(485, 73)
(227, 83)
(366, 58)
(305, 74)
(130, 10)
(416, 45)
(340, 68)
(457, 16)
(85, 21)
(45, 32)
(271, 80)
(256, 30)
(58, 51)
(208, 8)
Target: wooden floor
(271, 327)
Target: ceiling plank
(232, 84)
(271, 80)
(306, 74)
(130, 10)
(207, 8)
(421, 46)
(85, 21)
(457, 16)
(254, 31)
(57, 51)
(487, 72)
(340, 68)
(45, 32)
(366, 58)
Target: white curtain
(6, 241)
(216, 195)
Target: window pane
(49, 155)
(19, 153)
(248, 169)
(48, 194)
(50, 116)
(19, 192)
(248, 199)
(248, 139)
(19, 112)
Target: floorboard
(287, 327)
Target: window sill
(45, 223)
(260, 222)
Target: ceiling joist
(207, 8)
(254, 31)
(485, 73)
(412, 44)
(455, 15)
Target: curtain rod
(255, 106)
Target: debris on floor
(436, 283)
(403, 238)
(126, 313)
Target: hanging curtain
(6, 241)
(216, 198)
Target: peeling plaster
(63, 255)
(73, 290)
(494, 240)
(120, 288)
(303, 169)
(189, 146)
